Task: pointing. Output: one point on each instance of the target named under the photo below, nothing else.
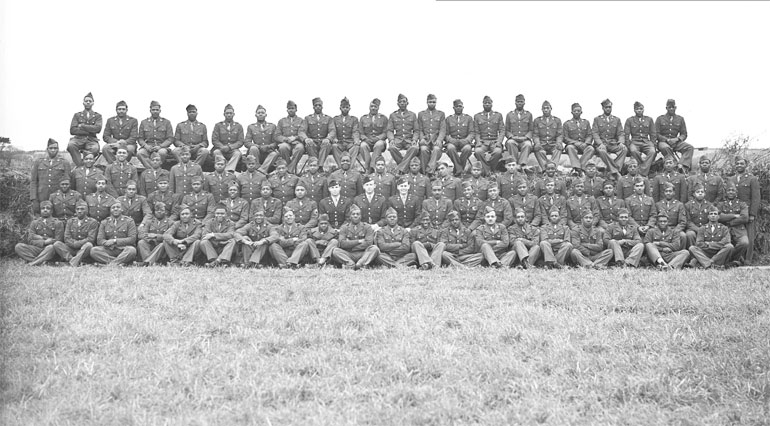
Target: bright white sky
(709, 56)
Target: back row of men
(404, 134)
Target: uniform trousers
(563, 250)
(674, 259)
(289, 255)
(113, 255)
(636, 149)
(144, 156)
(315, 253)
(461, 160)
(369, 151)
(358, 257)
(175, 254)
(583, 148)
(73, 255)
(402, 161)
(593, 258)
(630, 254)
(495, 154)
(682, 147)
(80, 144)
(708, 256)
(151, 251)
(221, 250)
(462, 261)
(35, 255)
(520, 151)
(552, 148)
(291, 153)
(521, 253)
(619, 150)
(420, 256)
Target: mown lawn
(149, 346)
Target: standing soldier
(346, 138)
(260, 140)
(121, 130)
(291, 244)
(336, 206)
(356, 243)
(578, 139)
(79, 236)
(116, 238)
(489, 129)
(181, 241)
(182, 174)
(623, 238)
(119, 173)
(431, 125)
(672, 133)
(492, 238)
(84, 127)
(287, 136)
(148, 181)
(318, 132)
(155, 135)
(219, 181)
(83, 177)
(748, 192)
(712, 247)
(374, 132)
(735, 215)
(519, 130)
(44, 232)
(669, 175)
(47, 173)
(712, 182)
(150, 234)
(459, 137)
(255, 238)
(193, 135)
(403, 134)
(64, 200)
(218, 238)
(227, 139)
(100, 202)
(641, 138)
(548, 138)
(663, 245)
(609, 138)
(588, 244)
(251, 180)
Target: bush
(14, 210)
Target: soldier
(641, 208)
(305, 210)
(578, 139)
(291, 245)
(46, 175)
(748, 192)
(349, 179)
(672, 133)
(314, 181)
(459, 137)
(150, 233)
(119, 173)
(282, 182)
(218, 238)
(735, 215)
(403, 134)
(431, 125)
(527, 203)
(83, 177)
(237, 207)
(696, 211)
(451, 187)
(663, 245)
(193, 135)
(200, 202)
(384, 182)
(519, 130)
(641, 138)
(525, 243)
(84, 127)
(437, 207)
(271, 206)
(318, 132)
(169, 199)
(459, 244)
(251, 180)
(712, 247)
(356, 243)
(322, 237)
(548, 137)
(594, 185)
(372, 205)
(479, 183)
(492, 238)
(64, 200)
(392, 240)
(468, 206)
(489, 128)
(219, 181)
(506, 182)
(426, 249)
(260, 140)
(148, 181)
(336, 206)
(43, 233)
(134, 206)
(373, 134)
(555, 236)
(121, 130)
(408, 207)
(551, 200)
(712, 182)
(290, 145)
(609, 205)
(116, 238)
(578, 203)
(610, 139)
(255, 237)
(418, 182)
(625, 184)
(79, 236)
(623, 238)
(100, 202)
(560, 184)
(588, 244)
(669, 175)
(182, 240)
(155, 135)
(501, 206)
(227, 139)
(675, 211)
(346, 138)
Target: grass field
(146, 346)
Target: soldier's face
(392, 219)
(639, 188)
(81, 211)
(121, 110)
(312, 168)
(402, 103)
(510, 167)
(591, 170)
(155, 111)
(549, 187)
(414, 167)
(380, 167)
(468, 192)
(184, 215)
(607, 109)
(220, 214)
(229, 114)
(219, 166)
(292, 111)
(577, 112)
(588, 220)
(130, 191)
(53, 150)
(632, 168)
(546, 110)
(318, 107)
(232, 192)
(705, 166)
(355, 216)
(579, 188)
(196, 186)
(458, 108)
(280, 170)
(487, 105)
(639, 111)
(345, 109)
(192, 114)
(662, 223)
(155, 162)
(116, 210)
(553, 217)
(669, 193)
(45, 210)
(740, 166)
(609, 190)
(345, 163)
(431, 104)
(334, 190)
(300, 192)
(670, 109)
(259, 217)
(250, 166)
(713, 216)
(373, 109)
(700, 194)
(266, 191)
(437, 192)
(163, 185)
(64, 186)
(261, 114)
(519, 104)
(668, 164)
(88, 103)
(455, 222)
(425, 222)
(441, 170)
(522, 189)
(550, 169)
(475, 172)
(88, 160)
(521, 218)
(160, 213)
(100, 185)
(288, 217)
(493, 192)
(369, 187)
(490, 218)
(731, 192)
(403, 188)
(623, 219)
(121, 155)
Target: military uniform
(594, 186)
(524, 244)
(642, 138)
(609, 207)
(712, 183)
(260, 142)
(218, 184)
(665, 245)
(576, 205)
(675, 211)
(283, 186)
(384, 184)
(450, 187)
(117, 129)
(271, 206)
(237, 211)
(326, 240)
(625, 243)
(418, 185)
(221, 245)
(459, 247)
(712, 245)
(547, 139)
(403, 134)
(168, 198)
(338, 213)
(748, 192)
(227, 139)
(530, 205)
(468, 209)
(83, 179)
(189, 233)
(99, 205)
(291, 152)
(305, 211)
(578, 139)
(492, 241)
(669, 127)
(641, 210)
(79, 239)
(559, 187)
(46, 174)
(393, 243)
(148, 181)
(555, 237)
(609, 138)
(431, 125)
(508, 183)
(136, 207)
(84, 128)
(349, 180)
(588, 247)
(697, 213)
(291, 246)
(37, 251)
(346, 138)
(123, 231)
(201, 205)
(735, 215)
(426, 248)
(408, 210)
(351, 251)
(548, 202)
(373, 131)
(490, 130)
(151, 249)
(257, 232)
(315, 185)
(480, 186)
(437, 209)
(315, 128)
(64, 203)
(459, 138)
(677, 179)
(519, 124)
(194, 135)
(372, 211)
(154, 133)
(625, 186)
(502, 209)
(118, 174)
(251, 184)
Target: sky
(711, 57)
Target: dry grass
(192, 346)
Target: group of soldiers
(427, 213)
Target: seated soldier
(322, 237)
(99, 202)
(148, 181)
(260, 142)
(79, 236)
(459, 244)
(84, 177)
(712, 246)
(227, 139)
(735, 215)
(548, 138)
(578, 139)
(318, 132)
(356, 243)
(373, 130)
(438, 206)
(44, 232)
(150, 233)
(432, 130)
(346, 139)
(696, 211)
(116, 238)
(624, 240)
(451, 186)
(200, 202)
(349, 179)
(669, 175)
(588, 244)
(119, 173)
(372, 206)
(426, 247)
(335, 205)
(251, 180)
(418, 182)
(492, 237)
(181, 175)
(403, 135)
(254, 239)
(559, 183)
(625, 184)
(674, 210)
(193, 135)
(217, 240)
(181, 241)
(468, 206)
(664, 245)
(134, 205)
(609, 138)
(641, 208)
(594, 184)
(237, 207)
(121, 130)
(525, 243)
(460, 133)
(384, 181)
(219, 181)
(64, 200)
(408, 207)
(479, 183)
(501, 206)
(84, 128)
(551, 200)
(282, 182)
(578, 202)
(314, 180)
(164, 195)
(523, 200)
(305, 210)
(392, 240)
(290, 246)
(555, 236)
(609, 205)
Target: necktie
(120, 122)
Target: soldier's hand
(182, 247)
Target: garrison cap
(312, 160)
(575, 105)
(317, 100)
(431, 96)
(424, 215)
(546, 103)
(280, 162)
(518, 210)
(379, 159)
(436, 185)
(121, 103)
(114, 203)
(632, 161)
(457, 102)
(323, 218)
(154, 104)
(250, 159)
(51, 142)
(402, 180)
(355, 209)
(662, 213)
(698, 187)
(366, 179)
(508, 158)
(489, 209)
(453, 215)
(487, 99)
(414, 160)
(467, 184)
(266, 184)
(183, 207)
(730, 185)
(287, 210)
(333, 183)
(519, 97)
(46, 203)
(80, 203)
(704, 158)
(299, 185)
(345, 102)
(638, 104)
(291, 104)
(376, 101)
(130, 182)
(586, 212)
(196, 178)
(89, 95)
(191, 107)
(233, 185)
(606, 102)
(228, 106)
(401, 96)
(391, 212)
(671, 102)
(219, 158)
(220, 206)
(163, 178)
(260, 107)
(622, 210)
(153, 155)
(159, 205)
